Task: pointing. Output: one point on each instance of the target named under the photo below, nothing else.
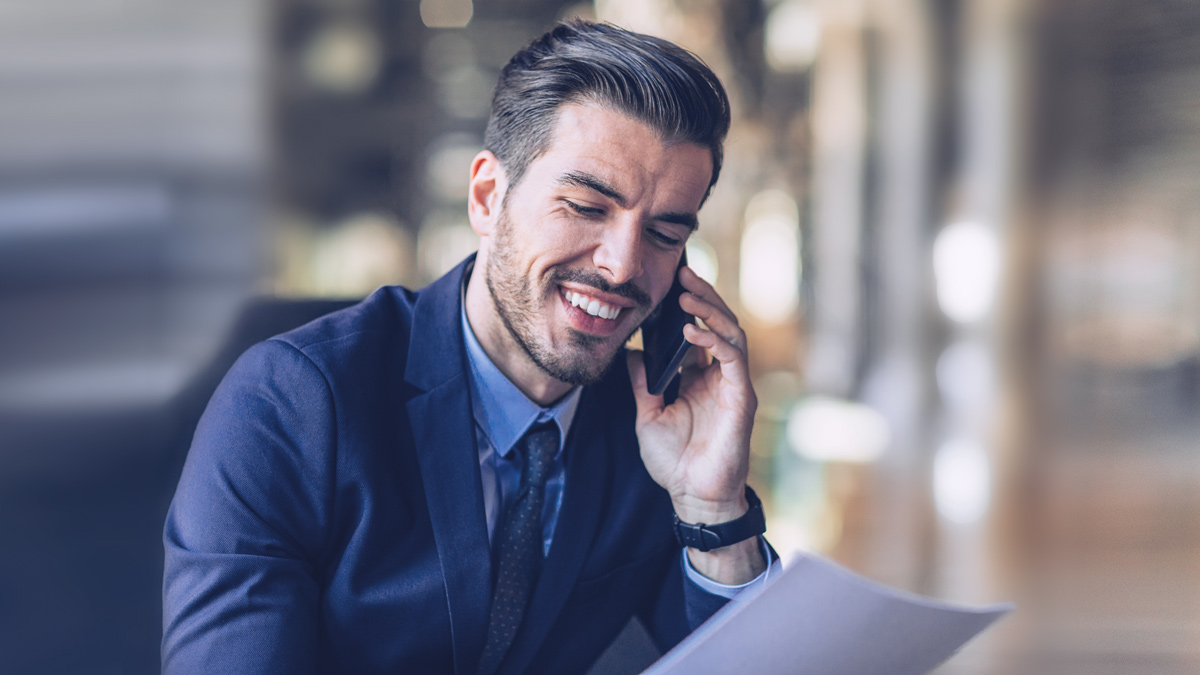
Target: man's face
(587, 244)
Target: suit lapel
(443, 432)
(583, 502)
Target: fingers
(717, 321)
(704, 290)
(723, 323)
(703, 301)
(722, 337)
(732, 360)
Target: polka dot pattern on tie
(519, 545)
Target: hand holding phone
(695, 441)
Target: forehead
(627, 153)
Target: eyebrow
(587, 181)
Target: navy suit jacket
(330, 515)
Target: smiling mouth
(591, 305)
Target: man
(473, 478)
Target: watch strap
(703, 537)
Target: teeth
(591, 305)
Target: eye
(664, 239)
(588, 211)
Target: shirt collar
(502, 410)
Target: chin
(584, 360)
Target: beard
(585, 358)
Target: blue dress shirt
(502, 415)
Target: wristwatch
(704, 537)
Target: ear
(486, 192)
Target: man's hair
(647, 78)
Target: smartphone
(663, 342)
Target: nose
(619, 254)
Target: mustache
(595, 280)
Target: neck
(501, 347)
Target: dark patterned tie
(519, 545)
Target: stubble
(585, 359)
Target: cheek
(663, 277)
(557, 246)
(564, 231)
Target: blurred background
(961, 234)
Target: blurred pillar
(839, 114)
(992, 83)
(896, 372)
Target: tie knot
(539, 446)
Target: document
(820, 618)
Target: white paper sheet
(820, 618)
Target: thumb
(647, 403)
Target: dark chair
(81, 562)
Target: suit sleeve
(249, 520)
(682, 605)
(676, 607)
